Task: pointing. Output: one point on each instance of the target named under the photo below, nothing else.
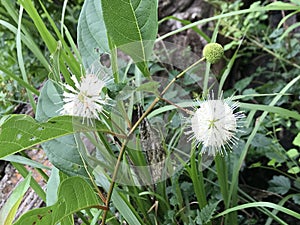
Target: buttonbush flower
(86, 99)
(214, 125)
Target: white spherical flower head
(214, 125)
(85, 100)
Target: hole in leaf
(76, 167)
(32, 139)
(41, 128)
(40, 217)
(105, 60)
(19, 136)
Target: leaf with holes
(74, 194)
(132, 26)
(92, 38)
(62, 151)
(20, 132)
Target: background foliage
(44, 41)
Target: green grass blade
(62, 20)
(186, 22)
(25, 161)
(45, 34)
(198, 182)
(66, 53)
(272, 109)
(269, 7)
(73, 45)
(281, 203)
(289, 29)
(26, 38)
(260, 204)
(228, 69)
(21, 62)
(258, 107)
(50, 41)
(9, 210)
(33, 183)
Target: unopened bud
(213, 52)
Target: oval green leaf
(91, 32)
(62, 151)
(74, 194)
(132, 26)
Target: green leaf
(297, 183)
(288, 30)
(67, 220)
(151, 87)
(297, 140)
(205, 215)
(279, 184)
(20, 132)
(296, 199)
(292, 153)
(297, 2)
(261, 140)
(91, 32)
(62, 152)
(74, 194)
(243, 83)
(294, 170)
(132, 26)
(8, 211)
(52, 187)
(249, 92)
(50, 101)
(272, 162)
(275, 157)
(281, 6)
(255, 165)
(55, 66)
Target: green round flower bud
(213, 52)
